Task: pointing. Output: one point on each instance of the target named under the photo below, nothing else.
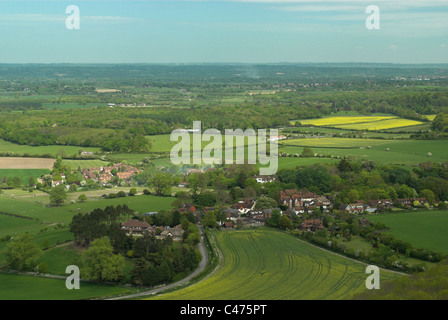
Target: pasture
(35, 207)
(271, 265)
(23, 174)
(83, 164)
(23, 287)
(6, 146)
(423, 229)
(403, 152)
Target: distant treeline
(15, 105)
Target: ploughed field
(267, 264)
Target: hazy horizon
(224, 31)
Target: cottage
(244, 206)
(175, 233)
(264, 179)
(135, 227)
(311, 225)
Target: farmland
(26, 163)
(359, 114)
(373, 122)
(428, 229)
(20, 287)
(402, 152)
(17, 149)
(271, 265)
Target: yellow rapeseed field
(362, 122)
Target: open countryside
(270, 265)
(362, 180)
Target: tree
(205, 200)
(284, 222)
(100, 264)
(31, 181)
(265, 203)
(21, 254)
(133, 192)
(209, 220)
(58, 195)
(274, 220)
(344, 166)
(82, 198)
(307, 152)
(162, 182)
(429, 195)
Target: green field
(6, 146)
(83, 164)
(23, 174)
(21, 287)
(404, 152)
(30, 207)
(272, 265)
(423, 229)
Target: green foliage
(58, 195)
(431, 284)
(265, 203)
(21, 254)
(100, 264)
(162, 182)
(307, 152)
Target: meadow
(35, 207)
(397, 152)
(265, 264)
(83, 164)
(423, 229)
(22, 287)
(6, 146)
(24, 174)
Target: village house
(244, 206)
(187, 208)
(311, 225)
(354, 208)
(55, 183)
(232, 214)
(227, 224)
(175, 233)
(250, 223)
(294, 199)
(135, 227)
(264, 179)
(385, 203)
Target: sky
(224, 31)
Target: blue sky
(248, 31)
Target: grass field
(272, 265)
(405, 152)
(21, 287)
(23, 174)
(75, 164)
(6, 146)
(33, 207)
(427, 229)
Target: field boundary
(348, 258)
